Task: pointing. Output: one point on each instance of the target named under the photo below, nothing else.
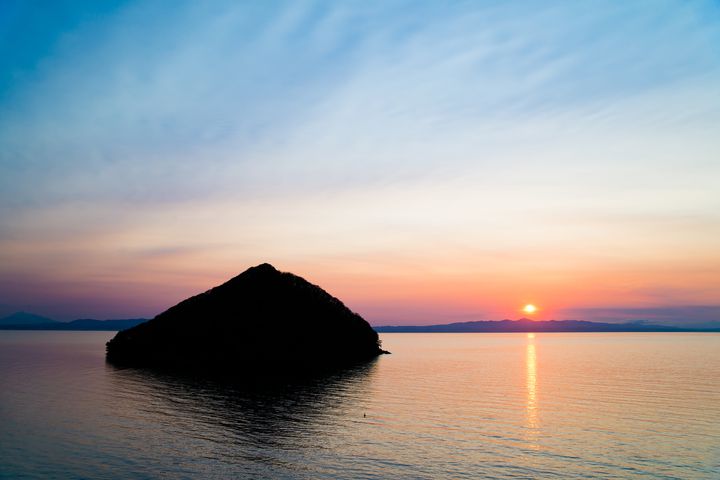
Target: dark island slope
(260, 320)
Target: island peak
(260, 320)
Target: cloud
(500, 140)
(222, 98)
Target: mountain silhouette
(24, 318)
(527, 325)
(36, 322)
(260, 320)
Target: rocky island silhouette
(263, 320)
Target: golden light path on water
(531, 386)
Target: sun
(529, 309)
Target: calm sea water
(619, 405)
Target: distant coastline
(77, 325)
(525, 325)
(23, 321)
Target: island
(260, 321)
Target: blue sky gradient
(509, 150)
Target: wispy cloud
(483, 138)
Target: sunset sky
(425, 162)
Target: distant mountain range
(24, 318)
(30, 321)
(527, 325)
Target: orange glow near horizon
(442, 290)
(529, 309)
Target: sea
(447, 405)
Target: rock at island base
(261, 321)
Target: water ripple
(442, 406)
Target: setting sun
(529, 309)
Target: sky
(425, 162)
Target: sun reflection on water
(531, 387)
